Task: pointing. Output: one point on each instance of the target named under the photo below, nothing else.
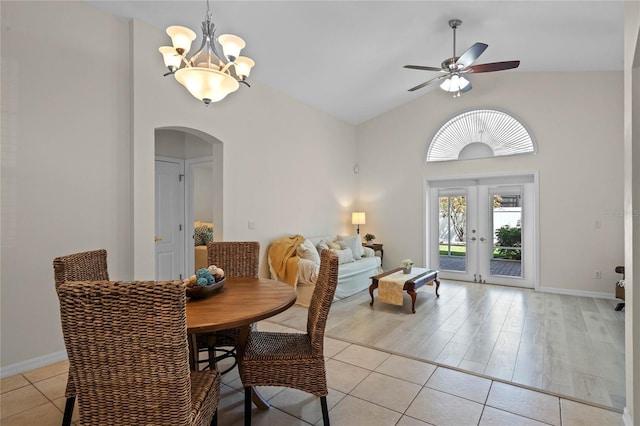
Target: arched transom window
(480, 133)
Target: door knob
(156, 239)
(482, 238)
(473, 238)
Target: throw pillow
(344, 256)
(202, 235)
(322, 245)
(307, 250)
(207, 235)
(354, 243)
(333, 245)
(368, 252)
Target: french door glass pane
(452, 213)
(506, 257)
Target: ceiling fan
(454, 68)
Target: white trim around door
(462, 217)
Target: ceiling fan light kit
(207, 75)
(455, 84)
(454, 68)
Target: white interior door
(483, 230)
(169, 220)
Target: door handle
(156, 239)
(482, 239)
(473, 238)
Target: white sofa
(353, 276)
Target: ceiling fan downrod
(454, 24)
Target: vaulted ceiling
(346, 57)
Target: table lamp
(358, 218)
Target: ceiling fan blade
(494, 66)
(420, 67)
(471, 54)
(420, 86)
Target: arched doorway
(188, 190)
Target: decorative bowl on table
(202, 292)
(206, 282)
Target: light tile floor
(367, 387)
(565, 345)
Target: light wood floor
(566, 345)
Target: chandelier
(207, 75)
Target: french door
(483, 230)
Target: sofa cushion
(344, 256)
(308, 251)
(353, 242)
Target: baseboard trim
(583, 293)
(30, 364)
(626, 417)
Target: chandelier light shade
(243, 66)
(207, 75)
(231, 45)
(358, 218)
(181, 38)
(205, 83)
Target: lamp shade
(454, 83)
(243, 66)
(181, 37)
(231, 45)
(463, 82)
(206, 84)
(171, 58)
(358, 218)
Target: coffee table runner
(390, 287)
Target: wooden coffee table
(411, 285)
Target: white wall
(170, 143)
(632, 208)
(204, 195)
(65, 160)
(577, 122)
(77, 162)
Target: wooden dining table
(241, 302)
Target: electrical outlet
(597, 275)
(251, 225)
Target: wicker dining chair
(294, 360)
(237, 259)
(127, 343)
(84, 266)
